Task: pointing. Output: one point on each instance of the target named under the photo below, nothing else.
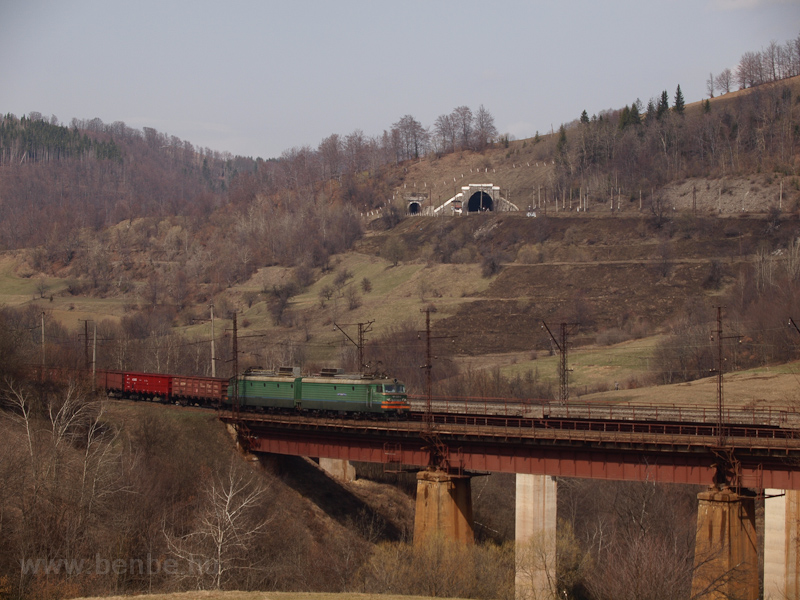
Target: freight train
(330, 392)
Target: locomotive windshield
(398, 388)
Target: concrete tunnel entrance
(414, 208)
(480, 201)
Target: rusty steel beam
(625, 456)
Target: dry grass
(397, 295)
(777, 386)
(219, 595)
(19, 286)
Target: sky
(256, 78)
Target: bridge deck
(763, 455)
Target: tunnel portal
(480, 202)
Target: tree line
(773, 63)
(37, 140)
(641, 147)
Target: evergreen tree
(636, 109)
(585, 118)
(651, 111)
(680, 105)
(561, 145)
(625, 118)
(663, 105)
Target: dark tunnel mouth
(414, 208)
(479, 202)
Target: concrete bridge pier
(338, 468)
(444, 507)
(726, 549)
(781, 544)
(535, 535)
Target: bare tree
(330, 151)
(445, 133)
(355, 149)
(229, 518)
(723, 81)
(394, 250)
(485, 131)
(414, 137)
(750, 71)
(770, 59)
(710, 84)
(462, 121)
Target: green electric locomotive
(331, 391)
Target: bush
(304, 275)
(394, 250)
(492, 263)
(713, 280)
(530, 254)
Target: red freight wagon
(148, 385)
(199, 388)
(110, 381)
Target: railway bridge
(741, 455)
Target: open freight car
(205, 391)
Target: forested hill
(62, 187)
(56, 180)
(37, 140)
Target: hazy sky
(258, 77)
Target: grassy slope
(219, 595)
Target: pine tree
(679, 103)
(585, 118)
(663, 105)
(651, 111)
(561, 145)
(635, 117)
(625, 118)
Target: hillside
(143, 235)
(505, 275)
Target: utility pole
(438, 451)
(428, 366)
(43, 355)
(86, 342)
(721, 432)
(213, 358)
(94, 355)
(563, 371)
(363, 329)
(235, 370)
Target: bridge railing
(773, 416)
